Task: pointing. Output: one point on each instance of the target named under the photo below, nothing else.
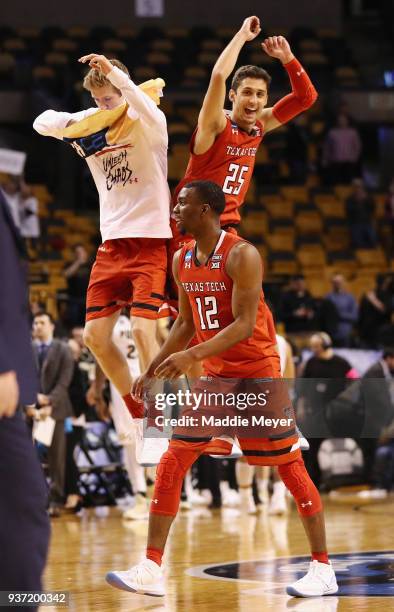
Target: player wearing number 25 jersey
(229, 162)
(224, 145)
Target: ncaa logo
(362, 574)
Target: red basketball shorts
(128, 272)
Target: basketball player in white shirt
(124, 141)
(125, 426)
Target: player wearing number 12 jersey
(220, 298)
(224, 145)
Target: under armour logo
(155, 501)
(300, 72)
(309, 503)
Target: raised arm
(303, 94)
(141, 106)
(212, 120)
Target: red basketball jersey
(209, 289)
(229, 162)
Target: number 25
(236, 176)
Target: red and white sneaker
(320, 580)
(146, 578)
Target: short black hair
(249, 71)
(209, 192)
(44, 313)
(388, 351)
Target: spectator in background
(55, 366)
(28, 213)
(360, 209)
(376, 307)
(297, 140)
(298, 307)
(323, 378)
(10, 186)
(24, 208)
(377, 393)
(346, 310)
(389, 212)
(77, 274)
(77, 390)
(342, 151)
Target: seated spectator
(342, 151)
(77, 274)
(346, 311)
(360, 209)
(375, 311)
(298, 307)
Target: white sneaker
(262, 489)
(277, 504)
(247, 501)
(304, 444)
(320, 580)
(148, 450)
(145, 578)
(230, 498)
(196, 499)
(140, 510)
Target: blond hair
(95, 78)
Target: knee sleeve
(169, 477)
(298, 481)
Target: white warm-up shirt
(123, 338)
(131, 177)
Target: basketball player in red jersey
(219, 276)
(224, 145)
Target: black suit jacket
(15, 337)
(56, 374)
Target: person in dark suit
(55, 365)
(24, 536)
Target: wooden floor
(84, 549)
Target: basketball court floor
(222, 560)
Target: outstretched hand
(175, 365)
(278, 47)
(251, 28)
(99, 62)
